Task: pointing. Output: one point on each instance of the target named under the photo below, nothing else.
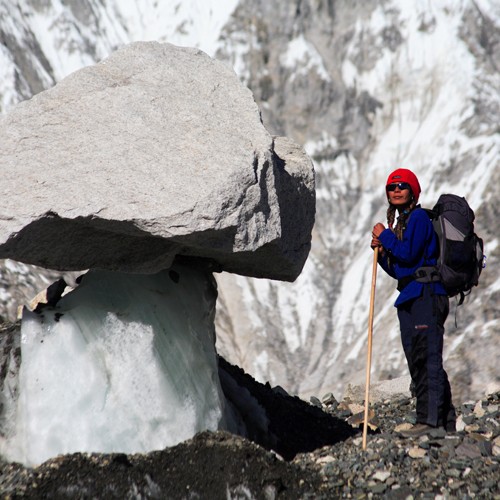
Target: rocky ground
(316, 452)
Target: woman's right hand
(375, 243)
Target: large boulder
(155, 152)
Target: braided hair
(402, 219)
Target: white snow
(189, 23)
(7, 90)
(302, 56)
(307, 300)
(261, 362)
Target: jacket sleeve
(409, 250)
(385, 265)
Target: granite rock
(154, 152)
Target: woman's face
(399, 194)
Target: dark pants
(422, 329)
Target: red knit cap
(405, 175)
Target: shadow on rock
(294, 426)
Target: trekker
(422, 307)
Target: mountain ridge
(364, 87)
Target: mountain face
(365, 87)
(368, 87)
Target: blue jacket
(419, 247)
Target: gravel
(313, 450)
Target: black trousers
(422, 330)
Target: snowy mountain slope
(369, 89)
(366, 87)
(42, 42)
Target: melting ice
(123, 363)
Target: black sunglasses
(399, 185)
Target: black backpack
(461, 257)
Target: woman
(422, 307)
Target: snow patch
(188, 23)
(302, 57)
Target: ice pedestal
(123, 363)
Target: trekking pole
(370, 334)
